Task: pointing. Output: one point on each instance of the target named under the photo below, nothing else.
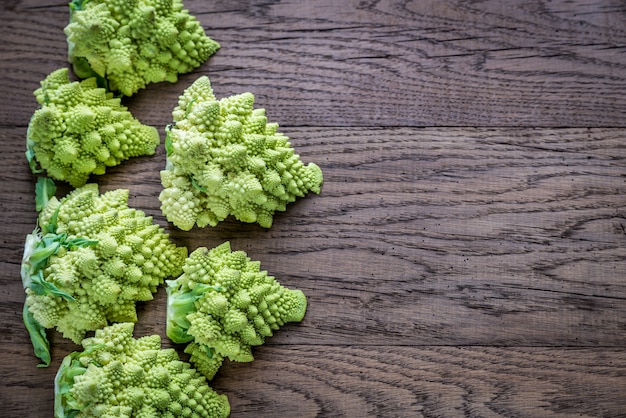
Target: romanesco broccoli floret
(117, 375)
(81, 129)
(89, 261)
(224, 158)
(224, 304)
(130, 43)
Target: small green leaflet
(32, 163)
(44, 190)
(76, 5)
(189, 106)
(195, 184)
(168, 130)
(42, 287)
(168, 140)
(51, 227)
(38, 337)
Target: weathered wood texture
(383, 63)
(475, 267)
(396, 381)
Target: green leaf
(53, 239)
(210, 351)
(42, 287)
(52, 225)
(80, 243)
(195, 184)
(37, 253)
(76, 5)
(189, 106)
(39, 258)
(44, 190)
(38, 337)
(177, 333)
(181, 303)
(64, 403)
(82, 69)
(32, 163)
(168, 140)
(65, 406)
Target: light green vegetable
(223, 305)
(117, 375)
(130, 43)
(89, 261)
(81, 129)
(223, 158)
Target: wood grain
(375, 63)
(370, 381)
(428, 382)
(421, 239)
(467, 254)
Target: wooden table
(467, 254)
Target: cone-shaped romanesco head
(81, 129)
(223, 305)
(223, 158)
(91, 261)
(130, 43)
(117, 375)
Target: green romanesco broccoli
(89, 261)
(117, 375)
(224, 158)
(223, 305)
(81, 129)
(130, 43)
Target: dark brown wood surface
(467, 253)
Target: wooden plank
(427, 382)
(422, 236)
(450, 271)
(388, 63)
(391, 381)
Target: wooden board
(387, 63)
(467, 253)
